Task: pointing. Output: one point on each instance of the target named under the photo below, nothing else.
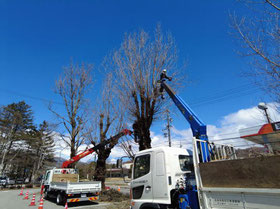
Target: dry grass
(119, 205)
(113, 179)
(117, 199)
(113, 195)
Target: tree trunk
(145, 140)
(73, 154)
(100, 170)
(6, 152)
(144, 134)
(3, 165)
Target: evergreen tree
(16, 120)
(43, 148)
(24, 149)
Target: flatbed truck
(63, 183)
(64, 186)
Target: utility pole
(168, 126)
(267, 145)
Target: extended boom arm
(197, 126)
(76, 158)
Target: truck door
(141, 184)
(47, 178)
(159, 178)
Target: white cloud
(227, 129)
(63, 150)
(251, 116)
(117, 152)
(180, 138)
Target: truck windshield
(141, 166)
(47, 176)
(186, 163)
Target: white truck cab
(167, 177)
(156, 174)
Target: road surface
(9, 199)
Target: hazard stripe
(93, 198)
(74, 200)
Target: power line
(224, 93)
(30, 97)
(220, 96)
(255, 144)
(225, 134)
(225, 97)
(226, 139)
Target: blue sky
(37, 38)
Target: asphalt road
(10, 200)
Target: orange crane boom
(87, 152)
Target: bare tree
(128, 146)
(72, 86)
(274, 3)
(259, 35)
(137, 65)
(109, 122)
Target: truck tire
(150, 206)
(46, 195)
(60, 199)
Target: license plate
(83, 195)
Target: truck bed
(260, 172)
(77, 187)
(252, 183)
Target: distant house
(120, 172)
(127, 164)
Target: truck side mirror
(189, 166)
(135, 132)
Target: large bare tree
(137, 65)
(72, 87)
(259, 35)
(108, 122)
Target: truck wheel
(46, 195)
(60, 200)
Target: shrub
(29, 186)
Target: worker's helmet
(164, 71)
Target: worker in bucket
(163, 76)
